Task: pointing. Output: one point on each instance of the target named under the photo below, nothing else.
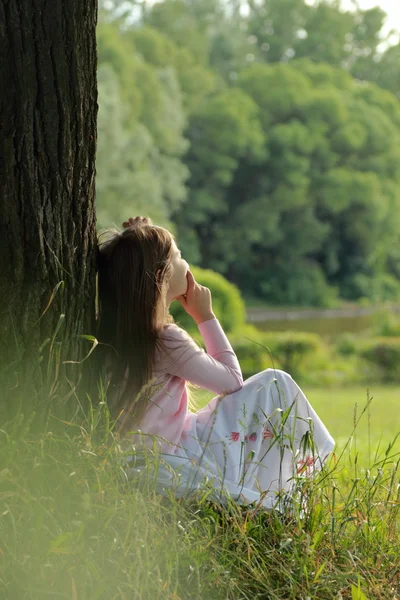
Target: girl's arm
(217, 370)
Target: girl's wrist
(204, 318)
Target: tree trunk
(48, 110)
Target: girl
(254, 440)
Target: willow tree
(48, 109)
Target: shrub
(346, 345)
(327, 368)
(384, 352)
(386, 324)
(257, 352)
(228, 304)
(291, 347)
(252, 355)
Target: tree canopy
(265, 139)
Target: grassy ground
(72, 528)
(339, 407)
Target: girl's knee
(275, 374)
(275, 378)
(280, 383)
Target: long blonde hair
(132, 312)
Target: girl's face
(177, 284)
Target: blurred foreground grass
(71, 527)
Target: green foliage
(157, 49)
(291, 347)
(113, 51)
(386, 324)
(308, 223)
(277, 90)
(386, 73)
(300, 284)
(248, 134)
(275, 24)
(140, 139)
(346, 344)
(235, 116)
(306, 356)
(136, 176)
(327, 32)
(281, 350)
(347, 350)
(283, 30)
(381, 288)
(184, 23)
(384, 353)
(252, 353)
(228, 305)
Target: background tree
(282, 151)
(141, 125)
(304, 197)
(48, 106)
(386, 72)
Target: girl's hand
(131, 222)
(197, 301)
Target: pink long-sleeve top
(183, 360)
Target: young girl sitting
(252, 441)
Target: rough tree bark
(48, 110)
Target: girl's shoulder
(174, 345)
(174, 337)
(173, 332)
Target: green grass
(71, 528)
(339, 407)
